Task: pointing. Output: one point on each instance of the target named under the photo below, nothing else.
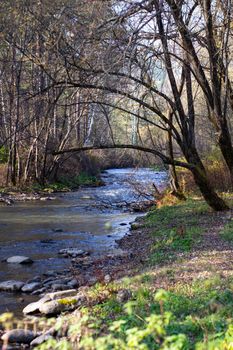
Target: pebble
(107, 278)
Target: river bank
(185, 249)
(91, 219)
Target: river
(91, 219)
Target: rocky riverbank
(67, 290)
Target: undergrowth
(192, 315)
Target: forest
(116, 114)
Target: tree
(148, 42)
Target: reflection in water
(77, 219)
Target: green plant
(4, 153)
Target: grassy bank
(175, 292)
(64, 184)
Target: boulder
(61, 294)
(57, 306)
(34, 307)
(20, 336)
(30, 287)
(18, 259)
(11, 286)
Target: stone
(11, 286)
(58, 287)
(136, 226)
(73, 283)
(57, 306)
(74, 252)
(64, 304)
(17, 259)
(107, 278)
(61, 294)
(30, 287)
(39, 291)
(40, 340)
(123, 295)
(34, 307)
(20, 336)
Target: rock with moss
(55, 307)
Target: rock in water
(57, 306)
(30, 287)
(34, 307)
(11, 286)
(20, 336)
(74, 252)
(19, 260)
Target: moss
(67, 301)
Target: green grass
(190, 315)
(175, 229)
(227, 232)
(187, 317)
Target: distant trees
(37, 117)
(70, 68)
(164, 65)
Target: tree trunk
(201, 180)
(224, 142)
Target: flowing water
(89, 219)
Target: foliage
(3, 155)
(198, 317)
(66, 184)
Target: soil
(209, 257)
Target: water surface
(89, 219)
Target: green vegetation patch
(67, 184)
(198, 316)
(227, 232)
(175, 229)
